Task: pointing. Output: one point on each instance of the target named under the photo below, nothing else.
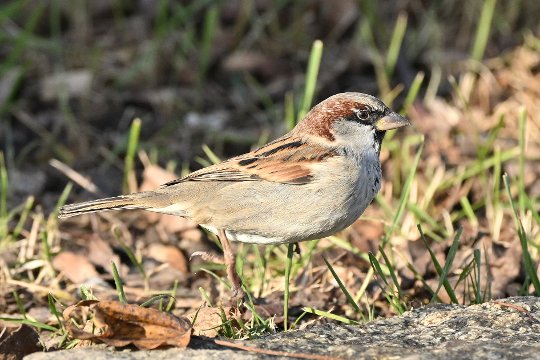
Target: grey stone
(491, 330)
(173, 354)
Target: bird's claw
(237, 293)
(207, 256)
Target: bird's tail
(142, 200)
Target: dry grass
(232, 76)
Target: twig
(75, 176)
(516, 307)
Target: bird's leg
(230, 263)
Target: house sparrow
(310, 183)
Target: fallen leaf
(175, 224)
(122, 324)
(77, 268)
(192, 235)
(101, 254)
(207, 321)
(170, 255)
(18, 344)
(154, 176)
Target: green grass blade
(205, 297)
(438, 268)
(130, 254)
(118, 284)
(329, 315)
(23, 37)
(259, 267)
(346, 245)
(482, 32)
(209, 31)
(218, 278)
(172, 300)
(19, 303)
(469, 212)
(412, 94)
(392, 272)
(288, 266)
(86, 293)
(424, 217)
(52, 307)
(35, 324)
(214, 159)
(293, 326)
(420, 277)
(530, 268)
(404, 196)
(3, 186)
(377, 267)
(3, 197)
(487, 146)
(522, 143)
(24, 216)
(343, 287)
(62, 199)
(290, 121)
(156, 298)
(395, 44)
(311, 77)
(443, 276)
(129, 162)
(44, 236)
(478, 265)
(479, 167)
(393, 300)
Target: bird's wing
(287, 160)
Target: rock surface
(503, 329)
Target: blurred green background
(74, 74)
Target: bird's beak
(391, 121)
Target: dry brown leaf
(75, 267)
(208, 320)
(123, 324)
(101, 254)
(19, 343)
(154, 176)
(170, 255)
(175, 224)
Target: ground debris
(120, 324)
(509, 328)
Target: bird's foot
(208, 256)
(237, 293)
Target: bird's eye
(362, 114)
